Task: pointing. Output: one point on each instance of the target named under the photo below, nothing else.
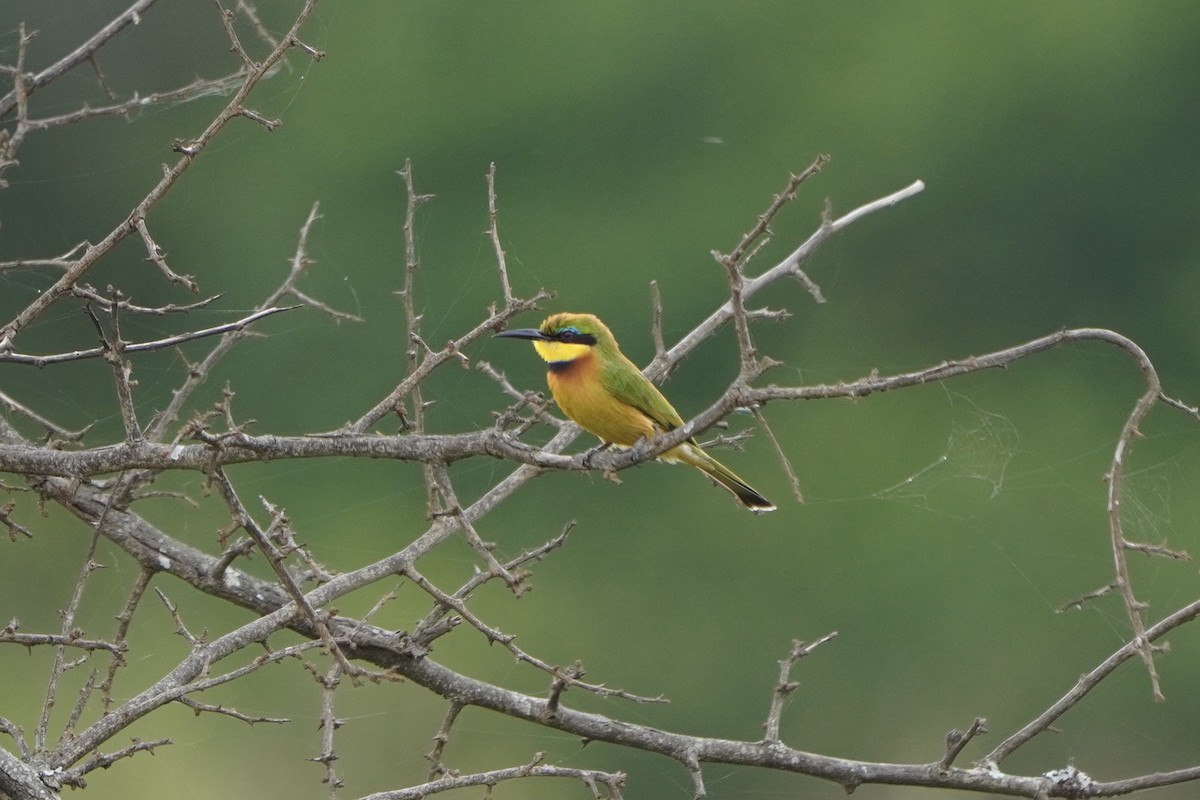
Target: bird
(598, 387)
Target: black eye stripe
(572, 336)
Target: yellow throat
(558, 352)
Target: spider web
(980, 447)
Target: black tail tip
(756, 502)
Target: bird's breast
(578, 388)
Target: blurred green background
(943, 524)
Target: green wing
(626, 383)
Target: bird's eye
(568, 335)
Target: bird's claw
(589, 454)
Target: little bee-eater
(597, 386)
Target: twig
(180, 628)
(735, 262)
(106, 760)
(114, 348)
(60, 664)
(1157, 550)
(329, 726)
(781, 454)
(10, 142)
(434, 756)
(235, 43)
(275, 557)
(493, 234)
(207, 708)
(251, 14)
(439, 478)
(691, 760)
(124, 620)
(559, 685)
(454, 349)
(54, 428)
(58, 262)
(494, 635)
(434, 360)
(300, 263)
(429, 628)
(125, 304)
(460, 608)
(656, 318)
(785, 268)
(763, 227)
(15, 528)
(416, 350)
(18, 735)
(78, 56)
(198, 373)
(9, 636)
(956, 740)
(157, 256)
(613, 781)
(141, 347)
(200, 87)
(85, 694)
(534, 401)
(1090, 681)
(1084, 599)
(785, 685)
(189, 151)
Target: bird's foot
(589, 454)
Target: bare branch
(18, 735)
(493, 233)
(113, 348)
(106, 760)
(22, 781)
(55, 429)
(329, 726)
(15, 528)
(781, 454)
(785, 685)
(124, 620)
(188, 151)
(126, 305)
(656, 317)
(233, 713)
(180, 628)
(9, 636)
(420, 368)
(79, 55)
(263, 539)
(1090, 681)
(141, 347)
(157, 256)
(434, 756)
(613, 781)
(788, 267)
(956, 740)
(60, 664)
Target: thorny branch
(421, 669)
(593, 779)
(63, 473)
(189, 151)
(276, 607)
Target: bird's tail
(746, 494)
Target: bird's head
(565, 337)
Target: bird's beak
(522, 333)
